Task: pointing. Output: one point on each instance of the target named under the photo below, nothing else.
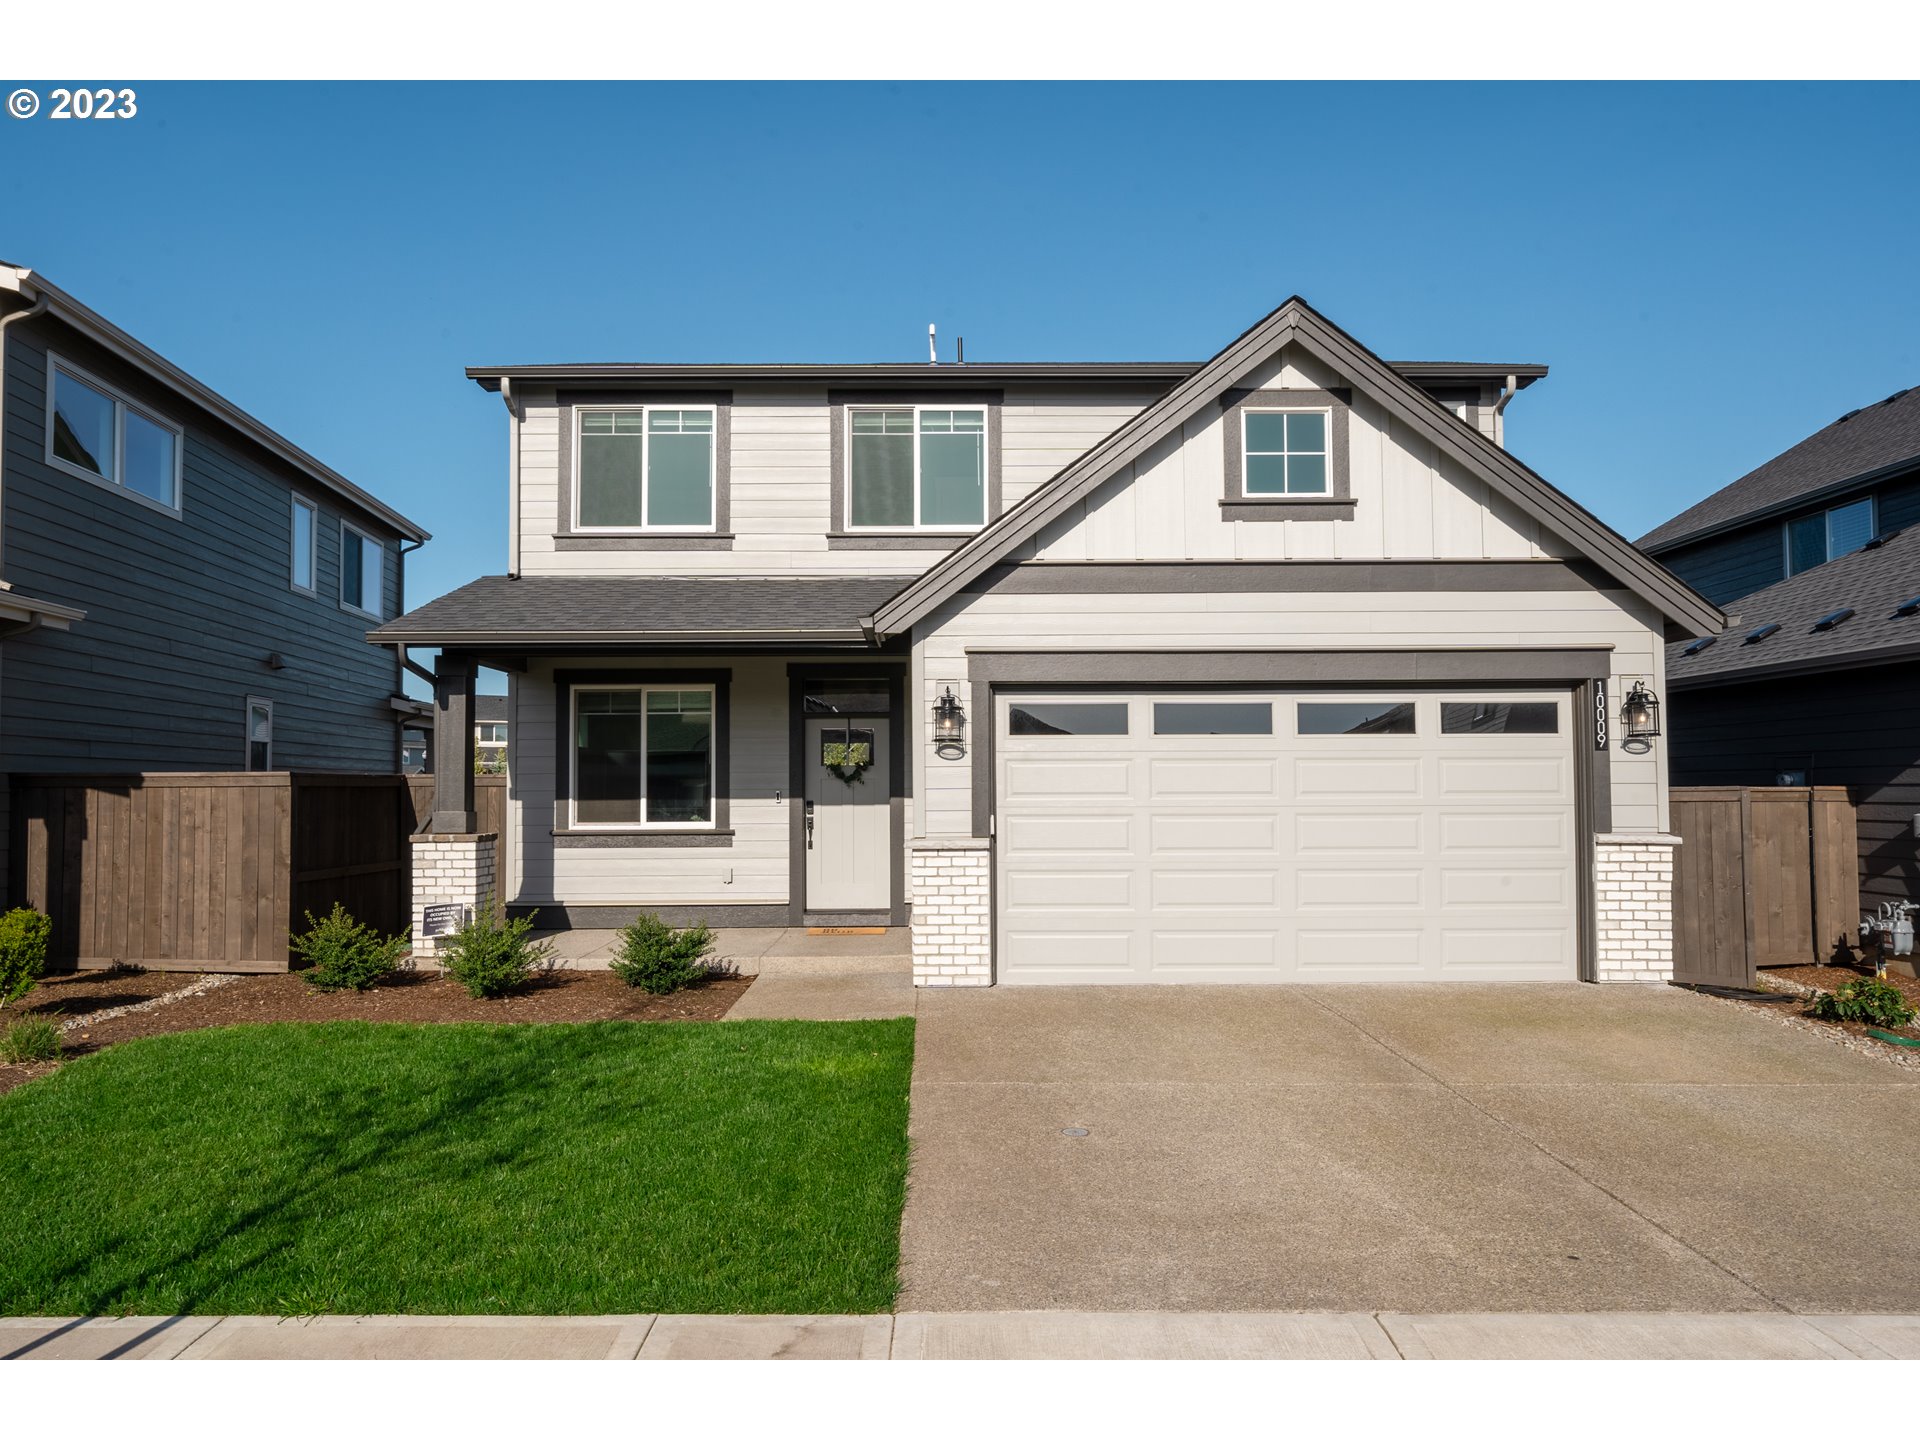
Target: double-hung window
(1815, 539)
(259, 733)
(1286, 451)
(916, 467)
(645, 468)
(302, 538)
(362, 571)
(643, 757)
(98, 433)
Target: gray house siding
(1729, 566)
(1853, 728)
(181, 612)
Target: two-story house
(181, 588)
(1274, 667)
(1819, 680)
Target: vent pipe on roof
(960, 350)
(933, 355)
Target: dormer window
(1827, 535)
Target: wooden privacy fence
(214, 871)
(1762, 877)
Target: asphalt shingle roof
(1868, 440)
(615, 608)
(1873, 583)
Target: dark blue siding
(1729, 566)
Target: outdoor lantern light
(1640, 713)
(948, 722)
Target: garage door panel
(1493, 954)
(1506, 888)
(1078, 890)
(1351, 954)
(1316, 778)
(1069, 834)
(1514, 777)
(1068, 779)
(1213, 834)
(1523, 832)
(1212, 889)
(1214, 950)
(1179, 779)
(1090, 952)
(1355, 892)
(1342, 832)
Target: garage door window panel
(1357, 717)
(1485, 717)
(1066, 719)
(1212, 717)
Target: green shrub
(28, 1040)
(1871, 1001)
(492, 956)
(23, 951)
(339, 953)
(659, 959)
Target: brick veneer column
(1633, 908)
(449, 870)
(952, 921)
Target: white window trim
(1826, 525)
(121, 405)
(255, 702)
(378, 544)
(574, 821)
(298, 503)
(1325, 452)
(580, 412)
(986, 465)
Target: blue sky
(1712, 271)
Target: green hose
(1906, 1040)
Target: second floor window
(1286, 452)
(362, 571)
(917, 468)
(302, 559)
(1815, 539)
(97, 433)
(646, 469)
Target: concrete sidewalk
(975, 1335)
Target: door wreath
(848, 755)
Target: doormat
(846, 929)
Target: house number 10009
(1599, 714)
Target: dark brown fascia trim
(565, 537)
(839, 537)
(722, 681)
(1812, 500)
(1820, 665)
(1179, 577)
(1134, 669)
(1336, 504)
(1296, 322)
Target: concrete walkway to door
(1439, 1148)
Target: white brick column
(449, 870)
(952, 919)
(1633, 908)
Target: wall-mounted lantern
(949, 726)
(1640, 715)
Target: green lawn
(755, 1166)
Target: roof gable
(1297, 323)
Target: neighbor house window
(643, 755)
(491, 732)
(362, 570)
(915, 467)
(1815, 539)
(99, 433)
(1286, 451)
(303, 538)
(650, 468)
(259, 734)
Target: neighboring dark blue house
(181, 588)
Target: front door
(848, 819)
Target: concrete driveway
(1369, 1148)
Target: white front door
(848, 818)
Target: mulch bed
(422, 997)
(1832, 977)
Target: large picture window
(643, 756)
(916, 467)
(95, 432)
(646, 468)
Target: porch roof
(612, 610)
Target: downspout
(38, 307)
(513, 478)
(400, 655)
(1499, 409)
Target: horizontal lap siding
(1730, 566)
(181, 613)
(1854, 729)
(1543, 619)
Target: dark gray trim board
(1593, 795)
(839, 537)
(1296, 323)
(722, 682)
(572, 401)
(557, 916)
(642, 839)
(633, 376)
(1187, 577)
(1133, 669)
(1336, 504)
(899, 788)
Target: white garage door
(1175, 836)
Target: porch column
(453, 678)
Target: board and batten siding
(181, 613)
(753, 870)
(780, 485)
